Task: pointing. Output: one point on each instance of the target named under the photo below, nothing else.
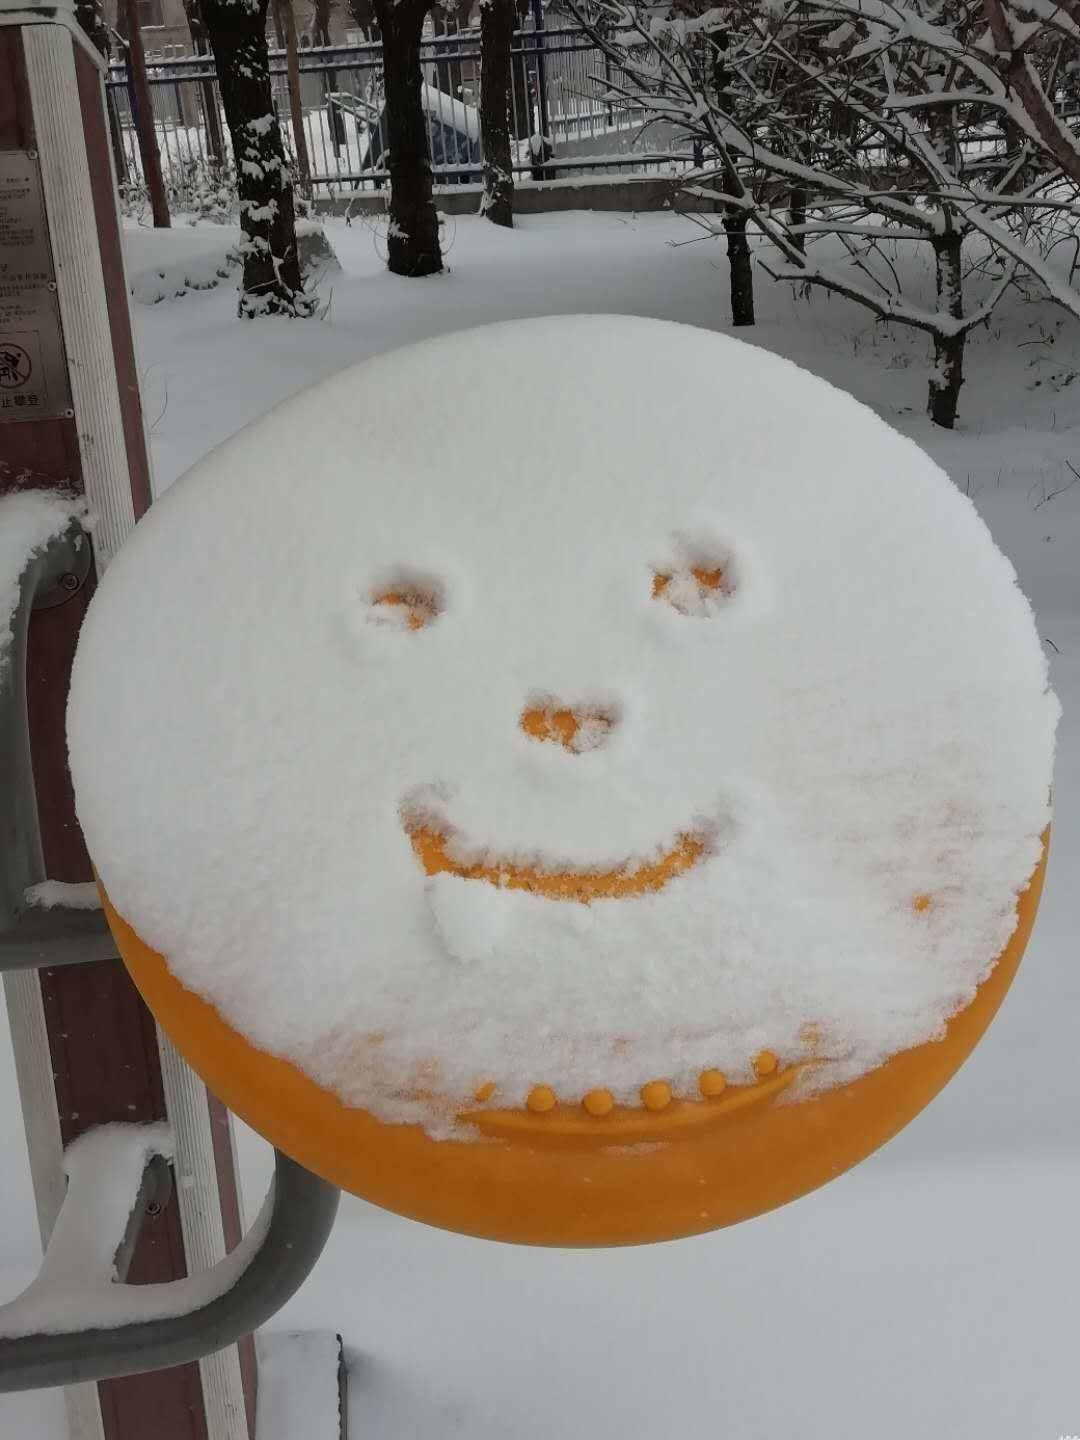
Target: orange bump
(485, 1091)
(541, 1099)
(712, 1083)
(921, 903)
(599, 1102)
(656, 1095)
(765, 1063)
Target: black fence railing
(564, 121)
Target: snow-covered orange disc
(580, 781)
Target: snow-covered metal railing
(557, 78)
(78, 1320)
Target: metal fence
(563, 122)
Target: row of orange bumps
(656, 1095)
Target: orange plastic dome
(583, 1173)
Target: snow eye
(406, 602)
(697, 588)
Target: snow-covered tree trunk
(740, 265)
(271, 282)
(413, 241)
(948, 372)
(797, 216)
(496, 36)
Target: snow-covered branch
(867, 121)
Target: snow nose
(576, 728)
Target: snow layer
(863, 722)
(51, 894)
(298, 1385)
(187, 258)
(29, 519)
(75, 1289)
(438, 105)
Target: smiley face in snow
(496, 738)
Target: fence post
(542, 119)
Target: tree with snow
(271, 283)
(1019, 35)
(497, 19)
(413, 246)
(891, 120)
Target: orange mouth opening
(430, 847)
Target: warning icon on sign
(15, 366)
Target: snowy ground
(935, 1289)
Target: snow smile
(433, 842)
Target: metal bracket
(165, 1324)
(32, 938)
(185, 1319)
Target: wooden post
(285, 17)
(86, 1048)
(144, 119)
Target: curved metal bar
(32, 938)
(284, 1244)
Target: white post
(63, 304)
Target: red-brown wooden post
(149, 153)
(86, 1048)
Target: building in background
(166, 32)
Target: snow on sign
(610, 742)
(33, 370)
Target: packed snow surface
(851, 720)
